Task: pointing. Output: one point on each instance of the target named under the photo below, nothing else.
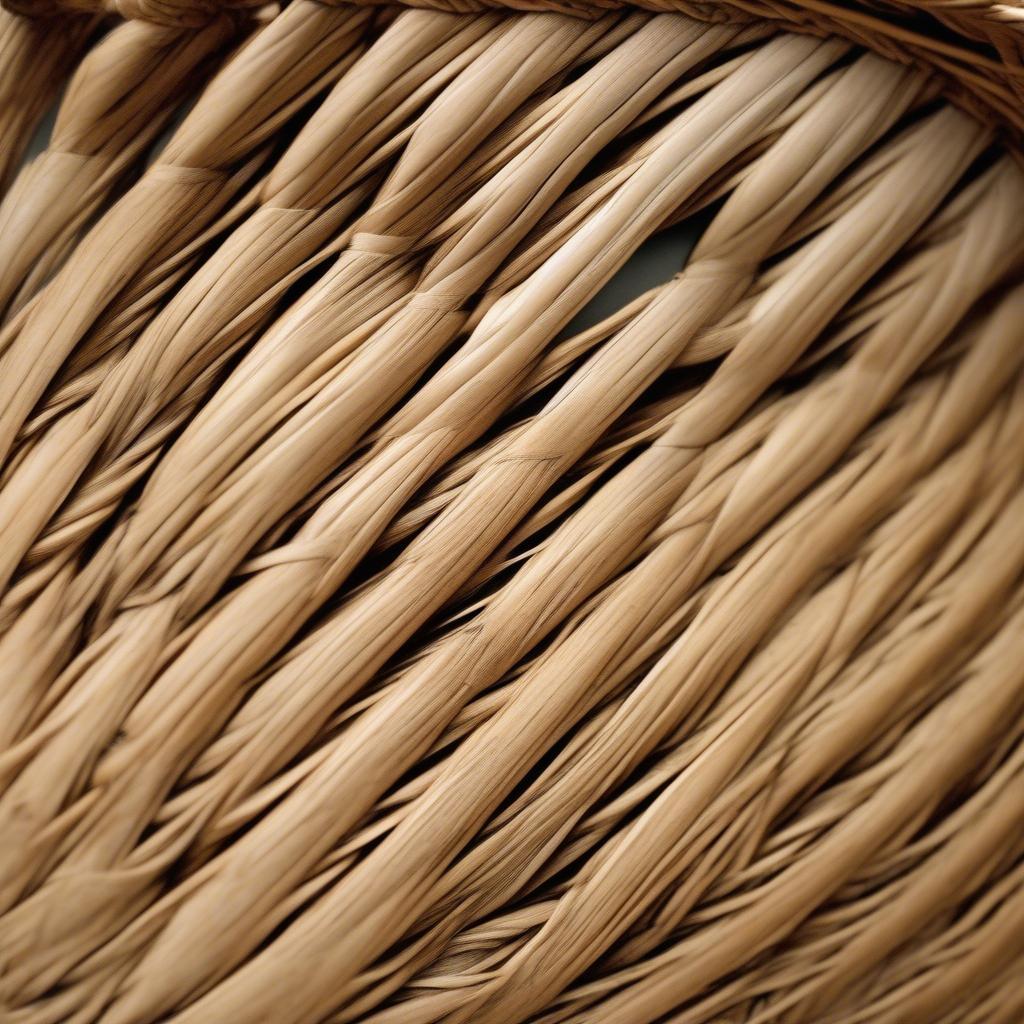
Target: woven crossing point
(386, 636)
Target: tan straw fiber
(35, 62)
(420, 604)
(977, 45)
(114, 107)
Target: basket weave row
(977, 46)
(387, 636)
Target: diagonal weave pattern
(385, 638)
(976, 46)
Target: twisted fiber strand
(643, 473)
(309, 65)
(572, 30)
(299, 220)
(713, 342)
(794, 965)
(328, 299)
(979, 955)
(992, 688)
(119, 325)
(105, 122)
(968, 480)
(253, 714)
(480, 873)
(824, 426)
(948, 876)
(26, 649)
(128, 313)
(113, 333)
(977, 47)
(298, 412)
(434, 314)
(585, 993)
(471, 967)
(893, 702)
(876, 690)
(655, 550)
(572, 349)
(531, 802)
(254, 95)
(261, 583)
(255, 710)
(313, 566)
(994, 69)
(517, 592)
(355, 883)
(574, 936)
(539, 245)
(35, 62)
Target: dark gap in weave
(671, 246)
(654, 262)
(432, 631)
(650, 265)
(452, 616)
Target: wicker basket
(383, 640)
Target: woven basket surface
(511, 512)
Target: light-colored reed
(210, 156)
(116, 104)
(462, 665)
(35, 62)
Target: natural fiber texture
(384, 636)
(34, 63)
(976, 46)
(114, 108)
